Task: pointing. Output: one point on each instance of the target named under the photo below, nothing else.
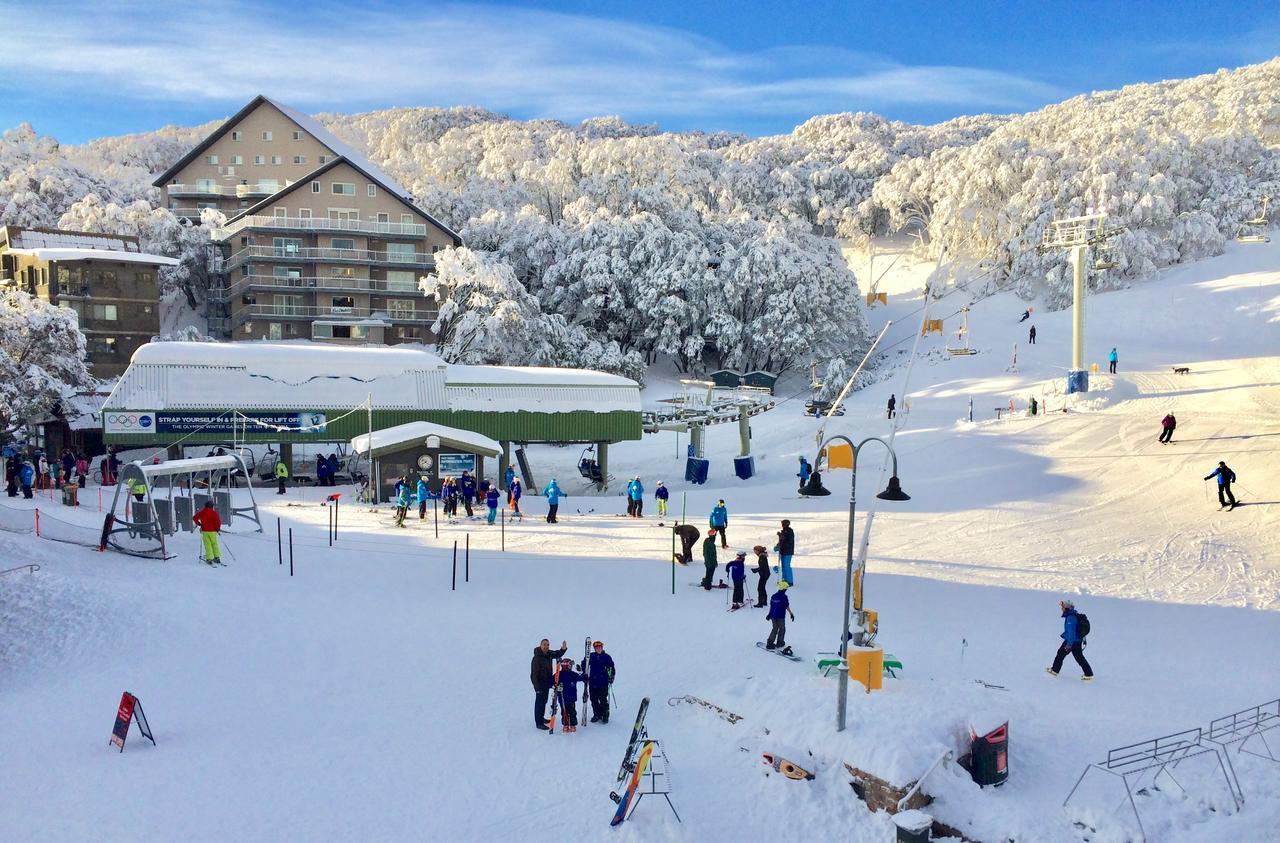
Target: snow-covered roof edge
(95, 255)
(403, 434)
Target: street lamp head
(894, 492)
(813, 488)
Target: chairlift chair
(962, 334)
(588, 467)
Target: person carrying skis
(635, 498)
(1225, 478)
(282, 476)
(709, 558)
(688, 538)
(491, 500)
(779, 609)
(210, 524)
(762, 571)
(600, 674)
(467, 491)
(893, 402)
(423, 494)
(540, 674)
(569, 679)
(1113, 358)
(402, 500)
(738, 576)
(786, 548)
(1168, 425)
(805, 471)
(1072, 642)
(553, 496)
(720, 522)
(1031, 336)
(514, 491)
(661, 495)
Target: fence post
(455, 566)
(330, 514)
(435, 514)
(290, 551)
(466, 577)
(279, 545)
(504, 529)
(37, 522)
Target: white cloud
(528, 62)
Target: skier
(449, 497)
(1031, 336)
(805, 471)
(569, 679)
(1026, 314)
(514, 491)
(467, 491)
(553, 495)
(688, 538)
(402, 500)
(709, 558)
(635, 498)
(540, 676)
(786, 548)
(738, 575)
(779, 609)
(1168, 424)
(282, 476)
(508, 476)
(27, 476)
(661, 494)
(720, 522)
(1225, 478)
(1113, 358)
(1072, 642)
(762, 570)
(491, 500)
(423, 494)
(600, 674)
(209, 523)
(893, 402)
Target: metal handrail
(308, 253)
(32, 566)
(319, 224)
(321, 282)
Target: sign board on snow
(129, 711)
(452, 465)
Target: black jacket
(786, 542)
(688, 533)
(762, 566)
(540, 672)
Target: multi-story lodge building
(318, 242)
(106, 279)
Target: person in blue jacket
(600, 674)
(1113, 358)
(661, 495)
(467, 490)
(515, 491)
(779, 609)
(402, 500)
(449, 497)
(738, 575)
(635, 498)
(491, 500)
(553, 495)
(322, 470)
(1225, 478)
(334, 465)
(508, 476)
(423, 494)
(805, 471)
(569, 679)
(720, 522)
(27, 476)
(1072, 642)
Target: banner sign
(452, 465)
(135, 421)
(130, 710)
(128, 421)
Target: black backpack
(1082, 625)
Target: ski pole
(228, 550)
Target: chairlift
(588, 467)
(1261, 218)
(963, 334)
(1104, 260)
(1253, 238)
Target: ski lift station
(183, 394)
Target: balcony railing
(267, 312)
(321, 282)
(395, 229)
(236, 190)
(322, 255)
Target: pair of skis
(632, 765)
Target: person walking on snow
(1225, 478)
(282, 476)
(402, 500)
(762, 571)
(1168, 425)
(1113, 358)
(786, 548)
(210, 524)
(553, 495)
(688, 538)
(600, 675)
(635, 498)
(720, 522)
(569, 679)
(805, 471)
(709, 559)
(423, 494)
(661, 495)
(893, 402)
(1072, 642)
(515, 490)
(491, 500)
(1031, 336)
(738, 575)
(540, 675)
(779, 609)
(467, 491)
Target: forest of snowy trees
(611, 245)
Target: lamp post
(852, 578)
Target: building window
(315, 187)
(371, 189)
(324, 159)
(343, 188)
(266, 136)
(299, 159)
(406, 219)
(401, 252)
(105, 346)
(274, 332)
(280, 213)
(384, 218)
(107, 276)
(276, 159)
(211, 159)
(257, 160)
(304, 213)
(206, 186)
(146, 278)
(237, 159)
(400, 308)
(344, 272)
(342, 243)
(286, 246)
(400, 281)
(287, 305)
(297, 136)
(235, 136)
(342, 304)
(407, 333)
(104, 311)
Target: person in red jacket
(209, 523)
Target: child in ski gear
(661, 494)
(282, 476)
(515, 490)
(1113, 358)
(1168, 425)
(540, 675)
(893, 402)
(805, 471)
(1225, 478)
(688, 538)
(449, 497)
(738, 575)
(779, 609)
(1031, 336)
(786, 548)
(709, 558)
(569, 679)
(720, 522)
(1072, 642)
(762, 570)
(27, 476)
(209, 523)
(553, 495)
(635, 498)
(491, 501)
(467, 491)
(402, 500)
(423, 494)
(600, 675)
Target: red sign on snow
(130, 709)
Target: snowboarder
(893, 402)
(600, 674)
(210, 524)
(553, 495)
(540, 676)
(805, 471)
(762, 570)
(1225, 478)
(1031, 336)
(282, 476)
(1113, 358)
(1168, 425)
(688, 538)
(491, 501)
(515, 490)
(709, 558)
(635, 498)
(568, 679)
(720, 522)
(738, 575)
(423, 494)
(402, 500)
(1072, 642)
(1026, 314)
(786, 548)
(27, 476)
(779, 609)
(467, 491)
(661, 495)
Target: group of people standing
(597, 671)
(37, 472)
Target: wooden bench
(829, 663)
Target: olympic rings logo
(128, 420)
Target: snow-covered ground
(362, 698)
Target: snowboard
(624, 801)
(785, 652)
(636, 731)
(790, 769)
(723, 714)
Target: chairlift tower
(1078, 235)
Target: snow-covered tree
(41, 357)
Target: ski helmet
(742, 553)
(599, 644)
(783, 585)
(566, 660)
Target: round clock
(425, 462)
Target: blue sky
(79, 70)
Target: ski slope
(362, 698)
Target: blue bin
(695, 470)
(744, 467)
